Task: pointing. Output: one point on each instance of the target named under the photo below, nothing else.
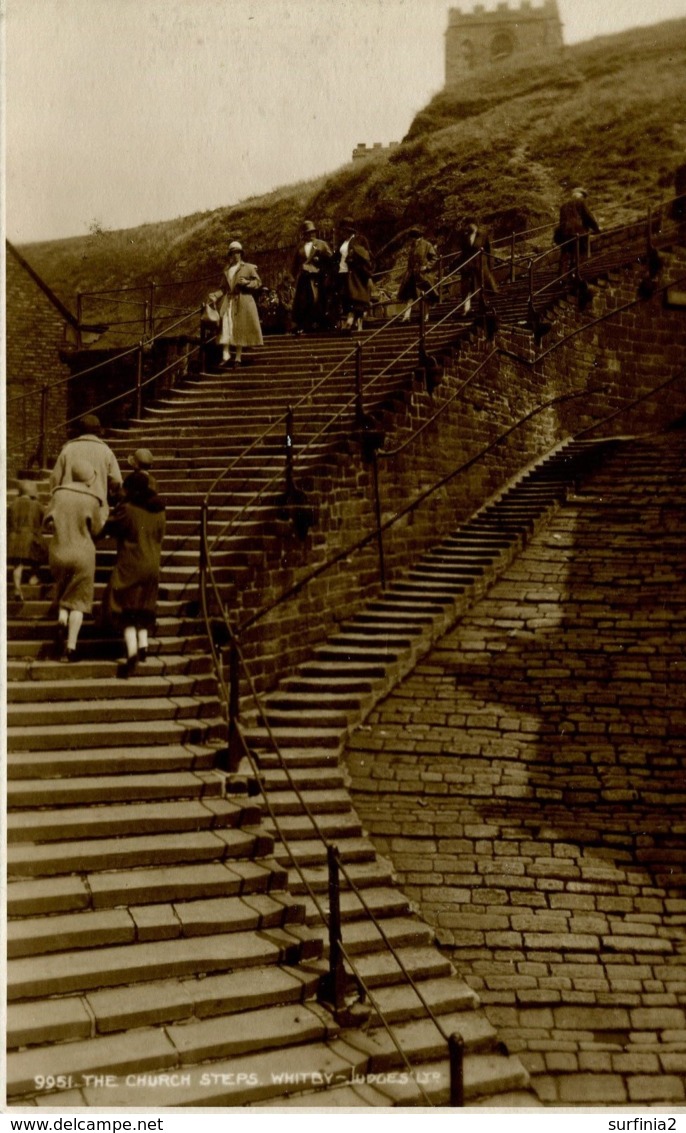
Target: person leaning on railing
(576, 220)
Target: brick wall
(614, 361)
(34, 334)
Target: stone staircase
(164, 927)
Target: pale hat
(141, 458)
(235, 246)
(579, 192)
(28, 488)
(308, 226)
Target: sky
(122, 112)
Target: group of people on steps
(89, 500)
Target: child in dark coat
(130, 599)
(25, 547)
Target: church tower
(479, 39)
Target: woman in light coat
(73, 519)
(240, 322)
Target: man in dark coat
(417, 280)
(355, 269)
(309, 268)
(475, 238)
(576, 219)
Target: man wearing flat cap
(310, 264)
(89, 446)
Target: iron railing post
(41, 455)
(151, 307)
(512, 258)
(333, 986)
(377, 515)
(359, 406)
(456, 1058)
(480, 277)
(531, 283)
(288, 445)
(440, 279)
(79, 317)
(139, 381)
(234, 687)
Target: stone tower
(478, 39)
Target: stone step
(382, 901)
(116, 820)
(51, 858)
(34, 671)
(293, 827)
(293, 737)
(151, 731)
(80, 689)
(365, 874)
(79, 791)
(270, 1076)
(309, 852)
(177, 1045)
(145, 1005)
(65, 972)
(284, 801)
(40, 936)
(109, 712)
(85, 762)
(151, 885)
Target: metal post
(234, 687)
(531, 283)
(422, 323)
(440, 279)
(377, 513)
(152, 307)
(512, 258)
(139, 381)
(146, 309)
(480, 273)
(333, 986)
(288, 444)
(456, 1057)
(79, 318)
(43, 427)
(359, 406)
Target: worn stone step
(365, 874)
(381, 901)
(305, 716)
(321, 739)
(110, 760)
(146, 886)
(312, 851)
(63, 973)
(328, 779)
(117, 820)
(328, 826)
(155, 687)
(46, 737)
(39, 936)
(50, 858)
(113, 788)
(178, 1045)
(328, 800)
(103, 1012)
(34, 671)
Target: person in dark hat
(355, 268)
(576, 219)
(417, 280)
(72, 520)
(130, 599)
(309, 269)
(89, 446)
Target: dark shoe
(60, 639)
(128, 668)
(142, 655)
(68, 656)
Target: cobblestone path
(528, 782)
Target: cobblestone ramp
(534, 763)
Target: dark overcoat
(131, 593)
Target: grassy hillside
(505, 146)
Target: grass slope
(505, 146)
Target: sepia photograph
(345, 591)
